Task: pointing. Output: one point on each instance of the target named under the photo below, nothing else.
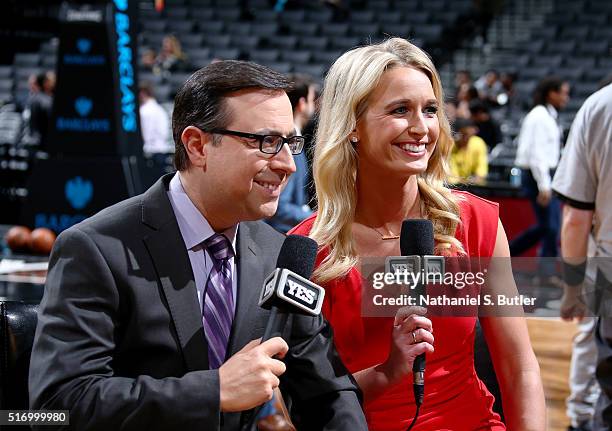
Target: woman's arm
(515, 363)
(375, 380)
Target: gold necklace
(391, 235)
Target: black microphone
(288, 289)
(417, 242)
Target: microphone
(288, 288)
(417, 243)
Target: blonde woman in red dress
(380, 158)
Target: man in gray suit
(150, 317)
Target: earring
(354, 139)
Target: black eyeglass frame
(261, 138)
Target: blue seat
(181, 27)
(210, 27)
(296, 57)
(217, 40)
(335, 29)
(362, 16)
(230, 15)
(345, 43)
(319, 15)
(313, 42)
(304, 29)
(264, 55)
(281, 67)
(284, 42)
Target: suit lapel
(169, 255)
(250, 282)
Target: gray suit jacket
(120, 341)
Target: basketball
(18, 238)
(41, 240)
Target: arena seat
(335, 29)
(229, 15)
(202, 14)
(321, 16)
(297, 57)
(362, 16)
(217, 41)
(283, 42)
(264, 55)
(27, 60)
(314, 42)
(17, 326)
(303, 29)
(181, 27)
(393, 17)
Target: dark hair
(146, 87)
(605, 81)
(545, 86)
(200, 100)
(462, 123)
(478, 106)
(41, 78)
(301, 85)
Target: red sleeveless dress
(455, 399)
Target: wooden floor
(552, 342)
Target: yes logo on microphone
(300, 292)
(78, 192)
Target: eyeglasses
(268, 144)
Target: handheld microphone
(417, 242)
(287, 289)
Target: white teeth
(413, 148)
(268, 186)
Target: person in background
(171, 57)
(41, 104)
(508, 96)
(293, 204)
(539, 146)
(463, 77)
(466, 93)
(489, 87)
(34, 88)
(154, 124)
(147, 60)
(380, 158)
(488, 129)
(583, 182)
(468, 159)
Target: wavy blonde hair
(348, 85)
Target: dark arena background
(71, 75)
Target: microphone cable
(416, 416)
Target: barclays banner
(95, 110)
(74, 189)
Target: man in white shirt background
(155, 126)
(539, 147)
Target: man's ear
(196, 143)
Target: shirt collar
(193, 225)
(552, 111)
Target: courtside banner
(95, 110)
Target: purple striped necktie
(218, 309)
